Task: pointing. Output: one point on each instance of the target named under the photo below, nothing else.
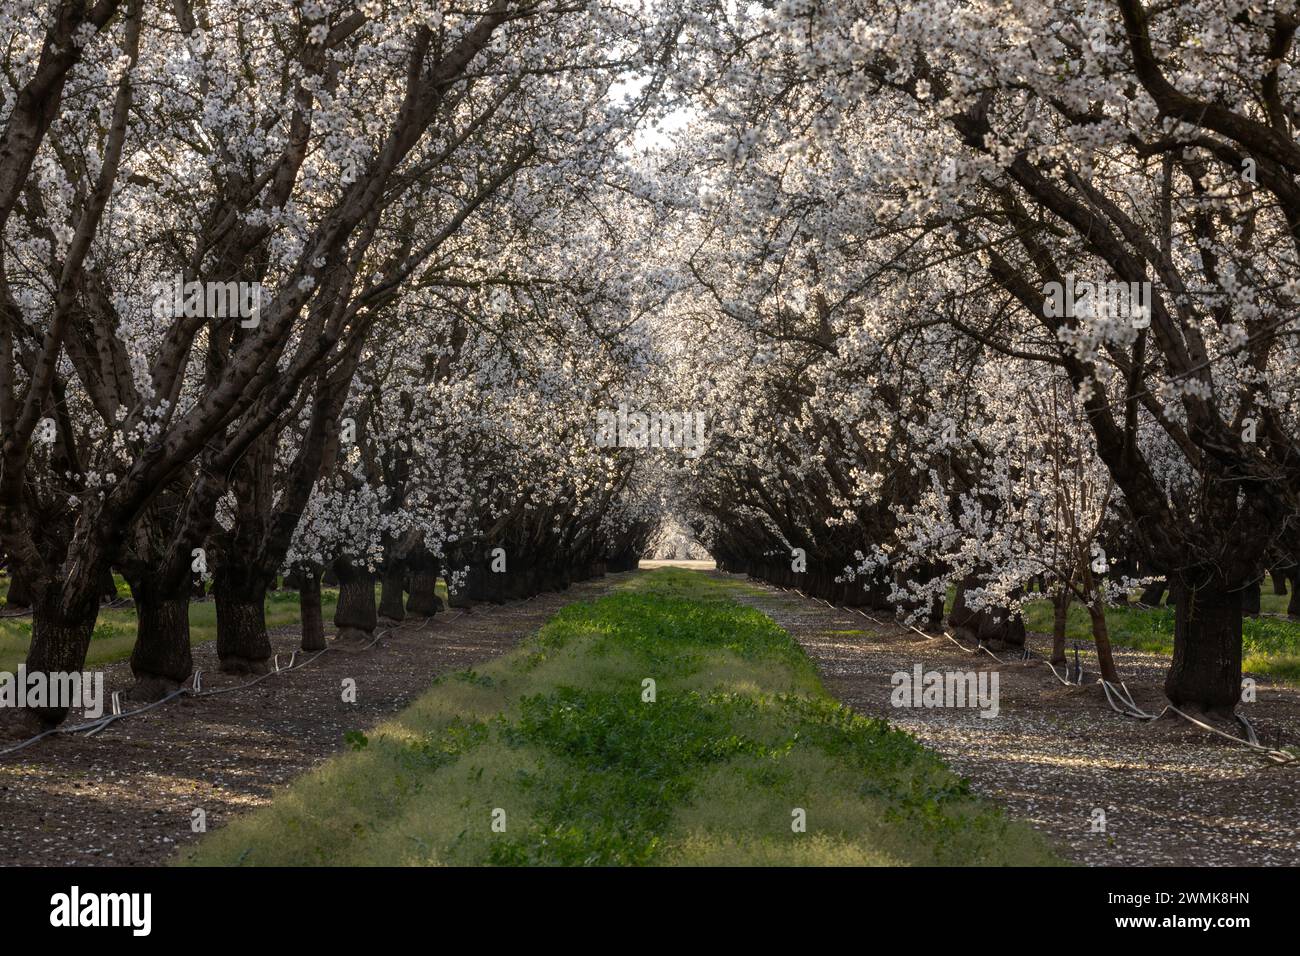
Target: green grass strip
(552, 755)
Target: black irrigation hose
(179, 692)
(109, 606)
(90, 728)
(31, 740)
(195, 690)
(1113, 692)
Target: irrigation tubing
(93, 727)
(113, 605)
(1126, 706)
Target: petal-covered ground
(1055, 755)
(126, 796)
(1171, 793)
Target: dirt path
(1172, 794)
(126, 795)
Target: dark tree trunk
(961, 617)
(1153, 593)
(60, 639)
(1250, 598)
(390, 597)
(934, 623)
(64, 611)
(309, 606)
(1060, 617)
(981, 625)
(20, 594)
(1279, 582)
(1009, 627)
(1293, 605)
(356, 615)
(1012, 626)
(1206, 670)
(1100, 631)
(242, 642)
(424, 600)
(161, 659)
(468, 591)
(108, 586)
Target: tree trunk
(1101, 637)
(242, 642)
(108, 586)
(1060, 616)
(1013, 624)
(1009, 628)
(390, 596)
(19, 595)
(465, 595)
(1250, 598)
(1206, 670)
(161, 659)
(64, 611)
(424, 600)
(356, 615)
(1153, 593)
(1293, 605)
(60, 639)
(1279, 582)
(309, 607)
(961, 617)
(934, 624)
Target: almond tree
(1001, 150)
(285, 163)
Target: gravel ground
(1172, 794)
(125, 796)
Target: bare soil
(126, 795)
(1172, 794)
